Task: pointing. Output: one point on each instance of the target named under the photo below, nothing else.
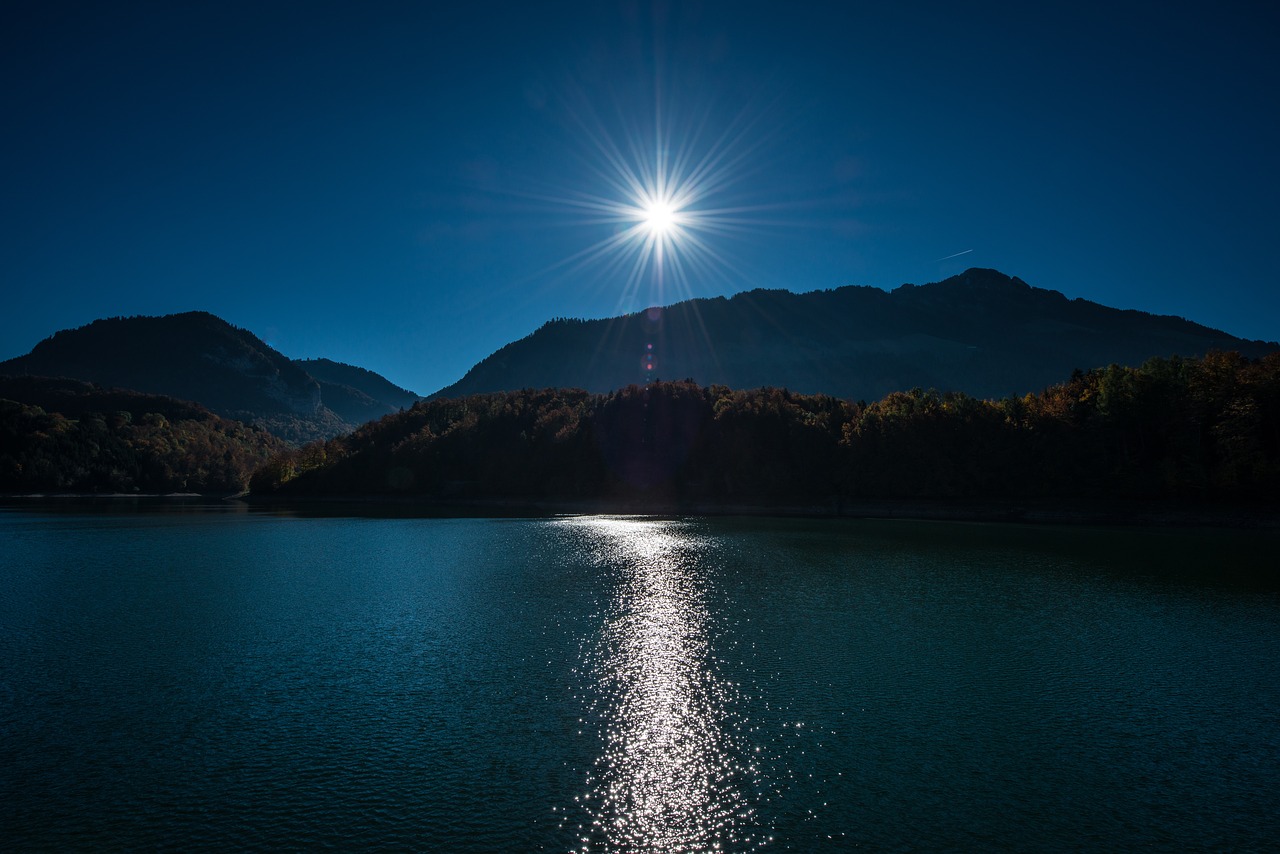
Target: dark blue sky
(395, 185)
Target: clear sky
(409, 186)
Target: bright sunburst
(666, 194)
(661, 218)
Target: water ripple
(671, 773)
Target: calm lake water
(215, 678)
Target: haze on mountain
(199, 357)
(356, 394)
(981, 332)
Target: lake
(214, 677)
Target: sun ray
(675, 190)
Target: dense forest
(70, 436)
(1198, 429)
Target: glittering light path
(671, 774)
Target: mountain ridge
(981, 332)
(200, 357)
(357, 394)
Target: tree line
(1185, 428)
(111, 441)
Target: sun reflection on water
(672, 774)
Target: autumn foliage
(1182, 428)
(71, 436)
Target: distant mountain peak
(975, 280)
(985, 278)
(981, 332)
(198, 356)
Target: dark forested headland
(1205, 430)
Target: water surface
(210, 677)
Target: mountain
(981, 332)
(199, 357)
(356, 394)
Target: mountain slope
(981, 332)
(193, 356)
(356, 394)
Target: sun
(668, 195)
(661, 218)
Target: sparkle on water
(354, 682)
(673, 773)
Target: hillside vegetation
(1204, 429)
(69, 436)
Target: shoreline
(1041, 511)
(1108, 512)
(70, 498)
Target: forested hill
(981, 332)
(61, 435)
(199, 357)
(1196, 429)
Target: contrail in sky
(957, 255)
